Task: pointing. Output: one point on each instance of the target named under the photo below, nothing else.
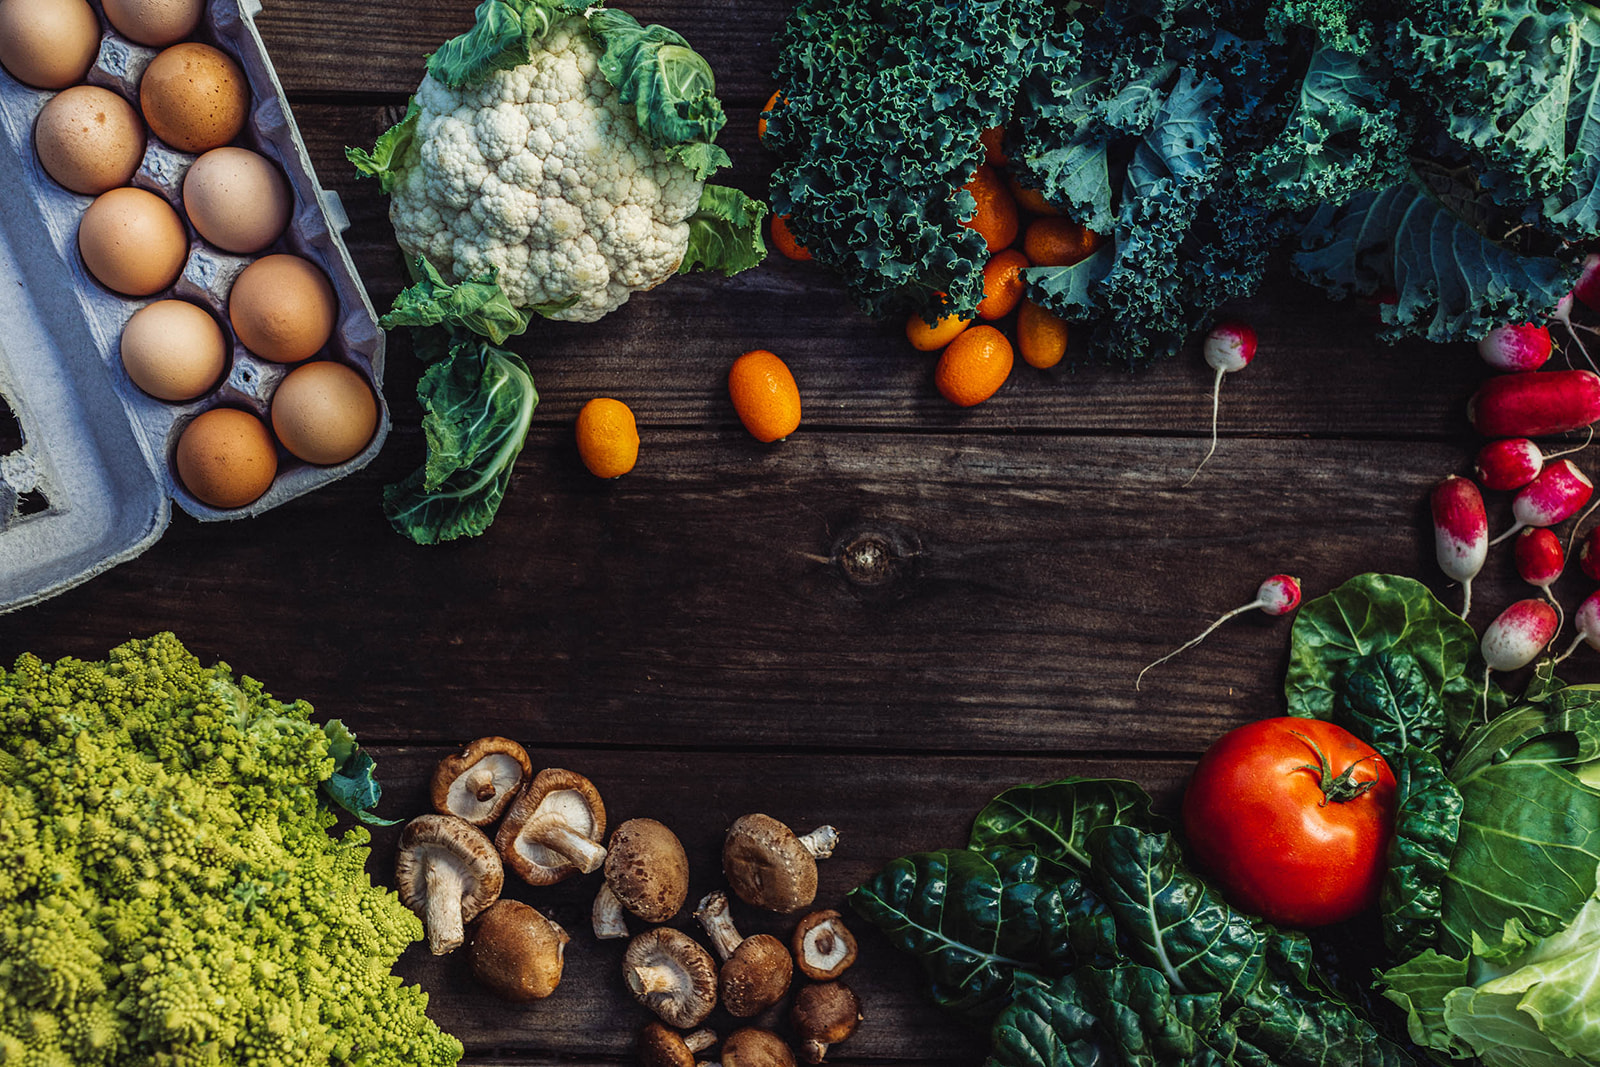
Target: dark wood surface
(880, 622)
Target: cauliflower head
(540, 172)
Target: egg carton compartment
(53, 215)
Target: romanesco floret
(169, 891)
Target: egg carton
(93, 480)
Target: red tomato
(1292, 819)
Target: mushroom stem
(700, 1040)
(655, 978)
(443, 918)
(557, 835)
(713, 913)
(821, 842)
(606, 916)
(480, 782)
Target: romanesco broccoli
(169, 891)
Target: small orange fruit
(973, 366)
(761, 123)
(993, 140)
(783, 240)
(1041, 336)
(1058, 242)
(764, 395)
(925, 338)
(1030, 200)
(996, 217)
(608, 439)
(1002, 284)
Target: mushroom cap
(823, 948)
(756, 976)
(517, 952)
(564, 794)
(669, 973)
(662, 1046)
(454, 790)
(451, 849)
(767, 866)
(755, 1047)
(825, 1013)
(647, 869)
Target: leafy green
(1054, 820)
(1427, 821)
(354, 783)
(1385, 699)
(502, 37)
(725, 233)
(478, 406)
(384, 161)
(477, 305)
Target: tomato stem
(1338, 788)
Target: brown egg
(133, 242)
(157, 23)
(173, 350)
(324, 412)
(194, 97)
(49, 44)
(226, 458)
(237, 199)
(89, 139)
(282, 308)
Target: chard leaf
(1419, 987)
(982, 923)
(1427, 820)
(502, 37)
(387, 160)
(1055, 819)
(671, 86)
(1530, 827)
(1385, 700)
(478, 405)
(1368, 616)
(725, 234)
(477, 305)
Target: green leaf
(354, 783)
(388, 159)
(1055, 819)
(1530, 827)
(671, 86)
(725, 234)
(502, 37)
(1419, 986)
(1427, 820)
(477, 305)
(478, 405)
(980, 923)
(1386, 700)
(1367, 616)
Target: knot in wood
(872, 557)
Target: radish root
(1216, 401)
(1259, 603)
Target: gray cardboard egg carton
(92, 482)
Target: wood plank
(704, 600)
(883, 807)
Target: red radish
(1539, 562)
(1513, 347)
(1460, 533)
(1230, 346)
(1509, 463)
(1518, 635)
(1555, 495)
(1589, 554)
(1535, 403)
(1278, 595)
(1587, 620)
(1587, 290)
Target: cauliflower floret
(541, 171)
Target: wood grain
(883, 807)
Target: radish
(1587, 620)
(1587, 291)
(1535, 403)
(1559, 491)
(1563, 315)
(1278, 595)
(1518, 635)
(1509, 463)
(1589, 554)
(1511, 347)
(1460, 533)
(1539, 562)
(1230, 346)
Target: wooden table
(878, 623)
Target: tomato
(1292, 819)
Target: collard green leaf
(670, 85)
(1386, 700)
(387, 160)
(978, 922)
(1529, 841)
(478, 405)
(725, 234)
(502, 37)
(477, 305)
(1367, 616)
(1055, 819)
(1427, 820)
